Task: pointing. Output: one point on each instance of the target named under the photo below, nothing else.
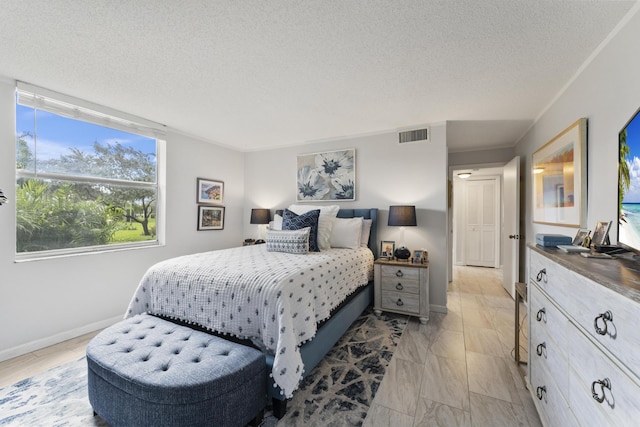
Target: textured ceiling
(262, 74)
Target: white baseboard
(438, 308)
(56, 339)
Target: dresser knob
(399, 303)
(540, 314)
(541, 391)
(605, 383)
(399, 273)
(399, 286)
(541, 348)
(542, 275)
(607, 316)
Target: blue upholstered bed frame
(314, 351)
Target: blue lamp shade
(402, 216)
(260, 216)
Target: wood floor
(458, 370)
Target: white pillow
(346, 233)
(289, 241)
(276, 224)
(366, 230)
(325, 221)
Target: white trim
(57, 338)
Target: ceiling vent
(415, 135)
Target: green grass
(133, 235)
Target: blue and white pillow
(293, 221)
(289, 241)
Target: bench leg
(279, 408)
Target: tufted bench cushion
(146, 371)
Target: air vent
(413, 136)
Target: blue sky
(633, 140)
(56, 134)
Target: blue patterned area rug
(338, 392)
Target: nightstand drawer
(400, 272)
(400, 285)
(409, 303)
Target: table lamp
(260, 216)
(402, 216)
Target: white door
(481, 223)
(511, 233)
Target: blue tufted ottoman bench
(146, 371)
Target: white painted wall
(607, 93)
(387, 174)
(43, 302)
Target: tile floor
(459, 369)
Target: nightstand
(401, 287)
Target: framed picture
(387, 247)
(559, 178)
(601, 233)
(210, 217)
(210, 191)
(326, 176)
(581, 237)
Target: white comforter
(274, 297)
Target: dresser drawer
(552, 278)
(552, 407)
(400, 285)
(588, 366)
(399, 301)
(593, 305)
(400, 272)
(545, 315)
(545, 351)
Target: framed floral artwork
(210, 191)
(210, 218)
(326, 176)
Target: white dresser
(584, 339)
(401, 287)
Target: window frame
(77, 109)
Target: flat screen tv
(629, 184)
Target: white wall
(43, 302)
(607, 93)
(386, 174)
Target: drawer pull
(399, 286)
(605, 383)
(399, 303)
(399, 273)
(541, 391)
(541, 348)
(542, 275)
(540, 314)
(606, 316)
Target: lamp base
(402, 254)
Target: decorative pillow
(327, 214)
(366, 230)
(293, 221)
(346, 233)
(276, 224)
(289, 241)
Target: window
(86, 178)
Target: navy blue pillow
(293, 221)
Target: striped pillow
(289, 241)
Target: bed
(292, 307)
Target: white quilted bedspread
(274, 297)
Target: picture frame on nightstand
(387, 248)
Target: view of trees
(65, 213)
(624, 178)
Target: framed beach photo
(387, 247)
(210, 191)
(210, 218)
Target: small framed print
(210, 191)
(210, 218)
(420, 256)
(581, 237)
(387, 247)
(601, 233)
